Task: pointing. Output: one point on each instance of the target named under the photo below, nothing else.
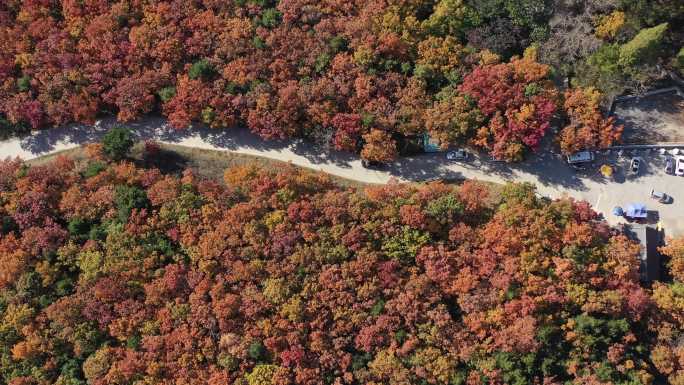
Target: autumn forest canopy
(357, 75)
(115, 274)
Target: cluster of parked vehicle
(455, 155)
(673, 165)
(637, 211)
(579, 160)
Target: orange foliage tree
(379, 147)
(588, 128)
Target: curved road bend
(547, 171)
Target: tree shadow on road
(551, 169)
(237, 138)
(158, 128)
(152, 127)
(545, 167)
(44, 141)
(423, 168)
(548, 170)
(420, 167)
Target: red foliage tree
(519, 102)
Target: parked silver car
(458, 155)
(660, 196)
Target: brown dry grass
(173, 159)
(211, 164)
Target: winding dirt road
(547, 171)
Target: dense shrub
(117, 143)
(94, 168)
(257, 351)
(270, 17)
(78, 228)
(127, 198)
(201, 69)
(679, 60)
(644, 47)
(167, 93)
(24, 83)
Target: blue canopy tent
(636, 210)
(617, 211)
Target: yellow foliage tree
(609, 25)
(437, 364)
(262, 374)
(452, 120)
(387, 367)
(276, 290)
(442, 54)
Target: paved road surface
(547, 171)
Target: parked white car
(679, 168)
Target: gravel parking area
(652, 119)
(626, 187)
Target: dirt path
(547, 171)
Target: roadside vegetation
(359, 76)
(173, 159)
(115, 273)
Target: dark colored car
(669, 166)
(634, 165)
(373, 165)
